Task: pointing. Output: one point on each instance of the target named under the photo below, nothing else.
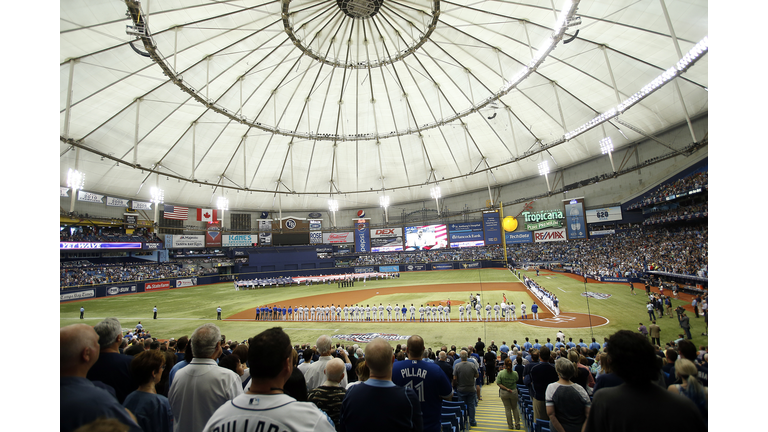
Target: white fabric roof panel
(309, 120)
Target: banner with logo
(315, 225)
(181, 283)
(365, 270)
(386, 240)
(605, 214)
(549, 235)
(64, 191)
(442, 266)
(265, 234)
(187, 241)
(535, 221)
(519, 237)
(601, 233)
(239, 240)
(575, 224)
(117, 202)
(415, 267)
(342, 237)
(465, 226)
(117, 290)
(213, 234)
(89, 197)
(157, 286)
(98, 245)
(77, 295)
(362, 237)
(492, 228)
(389, 269)
(469, 265)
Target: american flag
(173, 212)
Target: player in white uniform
(312, 313)
(496, 309)
(397, 312)
(381, 312)
(479, 311)
(504, 311)
(434, 313)
(389, 311)
(421, 313)
(487, 311)
(367, 312)
(523, 314)
(412, 310)
(440, 313)
(461, 312)
(511, 310)
(346, 313)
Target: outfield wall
(109, 290)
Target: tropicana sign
(543, 219)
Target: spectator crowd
(130, 381)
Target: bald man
(429, 381)
(314, 374)
(329, 396)
(377, 404)
(80, 401)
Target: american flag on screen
(173, 212)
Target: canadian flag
(207, 215)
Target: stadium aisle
(490, 411)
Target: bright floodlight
(384, 201)
(158, 195)
(75, 179)
(544, 168)
(606, 145)
(435, 192)
(333, 205)
(222, 203)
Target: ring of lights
(359, 13)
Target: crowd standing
(204, 383)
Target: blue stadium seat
(456, 411)
(453, 419)
(464, 410)
(446, 427)
(540, 424)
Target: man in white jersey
(479, 311)
(381, 312)
(367, 312)
(333, 312)
(421, 313)
(511, 310)
(504, 309)
(306, 313)
(346, 312)
(412, 310)
(461, 312)
(264, 406)
(440, 314)
(434, 313)
(389, 311)
(522, 311)
(312, 313)
(397, 312)
(496, 309)
(487, 311)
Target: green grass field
(180, 311)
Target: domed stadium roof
(306, 100)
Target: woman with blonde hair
(507, 382)
(686, 371)
(567, 403)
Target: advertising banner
(324, 249)
(601, 233)
(519, 237)
(239, 240)
(492, 228)
(543, 219)
(315, 225)
(152, 246)
(138, 205)
(387, 240)
(426, 237)
(98, 245)
(117, 290)
(415, 267)
(362, 237)
(466, 226)
(156, 286)
(605, 214)
(213, 234)
(469, 265)
(181, 283)
(455, 237)
(265, 236)
(574, 219)
(188, 241)
(365, 270)
(549, 235)
(342, 237)
(442, 266)
(77, 295)
(64, 191)
(389, 269)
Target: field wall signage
(535, 221)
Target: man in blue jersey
(427, 379)
(378, 404)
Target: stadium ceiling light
(333, 207)
(544, 170)
(435, 192)
(222, 203)
(157, 194)
(384, 201)
(606, 146)
(75, 179)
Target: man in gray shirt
(464, 376)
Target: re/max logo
(550, 235)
